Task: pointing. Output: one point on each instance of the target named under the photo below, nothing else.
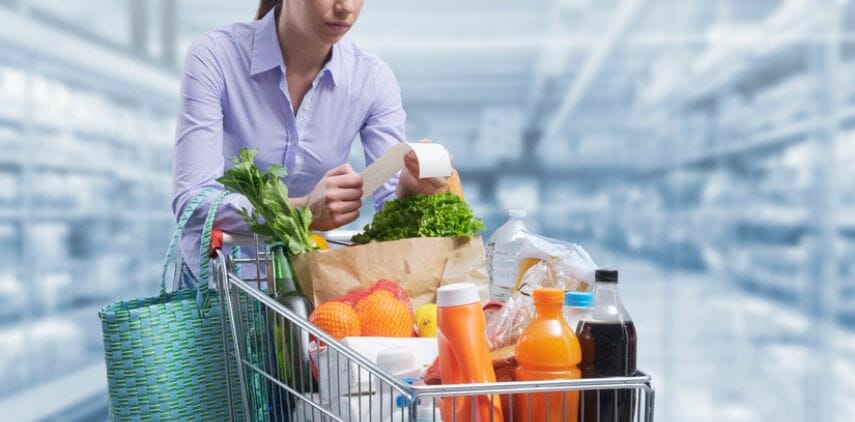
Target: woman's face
(325, 20)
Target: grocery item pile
(411, 295)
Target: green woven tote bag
(165, 354)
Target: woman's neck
(302, 54)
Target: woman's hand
(336, 199)
(409, 182)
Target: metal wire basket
(324, 380)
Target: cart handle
(221, 239)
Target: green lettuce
(440, 215)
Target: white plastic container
(400, 362)
(502, 250)
(336, 379)
(424, 412)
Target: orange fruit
(354, 296)
(337, 319)
(381, 314)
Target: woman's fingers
(336, 199)
(412, 166)
(427, 185)
(350, 194)
(345, 218)
(343, 207)
(411, 158)
(342, 169)
(437, 182)
(347, 181)
(411, 161)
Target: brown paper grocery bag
(419, 265)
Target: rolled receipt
(433, 162)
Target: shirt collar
(333, 67)
(266, 53)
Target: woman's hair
(265, 6)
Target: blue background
(705, 148)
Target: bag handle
(188, 211)
(205, 251)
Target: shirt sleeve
(198, 154)
(384, 126)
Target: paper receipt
(433, 162)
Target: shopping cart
(327, 381)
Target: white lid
(426, 412)
(457, 294)
(396, 360)
(517, 213)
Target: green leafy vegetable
(272, 214)
(440, 215)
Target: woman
(291, 86)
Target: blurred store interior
(703, 147)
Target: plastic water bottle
(575, 306)
(502, 250)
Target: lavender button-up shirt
(234, 94)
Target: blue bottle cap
(401, 402)
(578, 299)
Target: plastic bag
(543, 262)
(573, 259)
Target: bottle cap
(551, 296)
(606, 275)
(517, 213)
(401, 401)
(578, 299)
(396, 360)
(457, 294)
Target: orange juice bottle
(464, 356)
(548, 350)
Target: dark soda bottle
(608, 340)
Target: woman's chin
(332, 34)
(331, 39)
